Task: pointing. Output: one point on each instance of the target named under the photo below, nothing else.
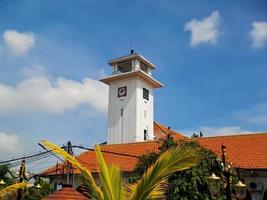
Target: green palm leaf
(110, 178)
(91, 186)
(151, 186)
(153, 183)
(11, 189)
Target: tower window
(145, 134)
(145, 94)
(121, 112)
(125, 66)
(144, 114)
(143, 67)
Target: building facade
(131, 99)
(131, 131)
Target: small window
(121, 112)
(145, 135)
(145, 94)
(144, 114)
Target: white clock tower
(130, 107)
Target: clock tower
(130, 106)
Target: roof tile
(66, 193)
(247, 151)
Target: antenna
(132, 51)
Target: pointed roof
(66, 193)
(162, 131)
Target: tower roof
(131, 57)
(139, 73)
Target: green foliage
(34, 193)
(29, 193)
(168, 143)
(153, 182)
(190, 184)
(152, 185)
(146, 161)
(4, 175)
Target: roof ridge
(134, 143)
(160, 126)
(235, 135)
(168, 131)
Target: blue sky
(211, 56)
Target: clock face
(122, 91)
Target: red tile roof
(66, 193)
(112, 153)
(124, 156)
(162, 131)
(244, 151)
(247, 151)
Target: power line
(23, 157)
(105, 151)
(47, 153)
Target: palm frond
(93, 190)
(153, 183)
(109, 177)
(11, 189)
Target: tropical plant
(190, 184)
(9, 190)
(35, 193)
(152, 184)
(4, 170)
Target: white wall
(144, 122)
(256, 176)
(261, 182)
(129, 127)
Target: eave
(139, 73)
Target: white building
(131, 123)
(130, 108)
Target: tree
(191, 183)
(4, 169)
(151, 185)
(34, 193)
(29, 193)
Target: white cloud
(34, 70)
(41, 94)
(225, 130)
(258, 34)
(215, 131)
(18, 43)
(205, 30)
(8, 142)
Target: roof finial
(132, 51)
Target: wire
(23, 157)
(104, 151)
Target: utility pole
(69, 166)
(22, 174)
(226, 173)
